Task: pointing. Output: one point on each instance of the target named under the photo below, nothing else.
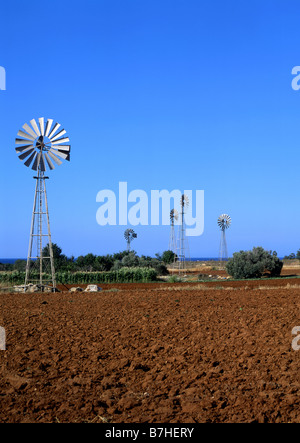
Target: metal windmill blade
(224, 221)
(41, 145)
(184, 201)
(173, 216)
(129, 234)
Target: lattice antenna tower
(41, 146)
(129, 235)
(182, 254)
(224, 221)
(172, 240)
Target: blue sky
(163, 95)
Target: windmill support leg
(40, 199)
(31, 238)
(49, 241)
(223, 254)
(40, 217)
(182, 252)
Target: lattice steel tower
(172, 240)
(182, 252)
(224, 221)
(41, 145)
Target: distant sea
(12, 260)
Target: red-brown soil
(157, 352)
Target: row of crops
(124, 275)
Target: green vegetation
(124, 275)
(122, 267)
(292, 256)
(174, 279)
(168, 257)
(254, 264)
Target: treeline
(98, 263)
(293, 256)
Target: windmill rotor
(129, 234)
(173, 216)
(184, 201)
(224, 221)
(40, 144)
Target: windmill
(172, 241)
(40, 145)
(129, 235)
(224, 221)
(182, 252)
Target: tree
(168, 257)
(254, 264)
(159, 266)
(104, 262)
(86, 262)
(60, 260)
(130, 260)
(20, 265)
(292, 256)
(120, 255)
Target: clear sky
(161, 94)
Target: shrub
(174, 279)
(253, 264)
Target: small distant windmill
(172, 241)
(224, 221)
(129, 235)
(182, 252)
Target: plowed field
(132, 353)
